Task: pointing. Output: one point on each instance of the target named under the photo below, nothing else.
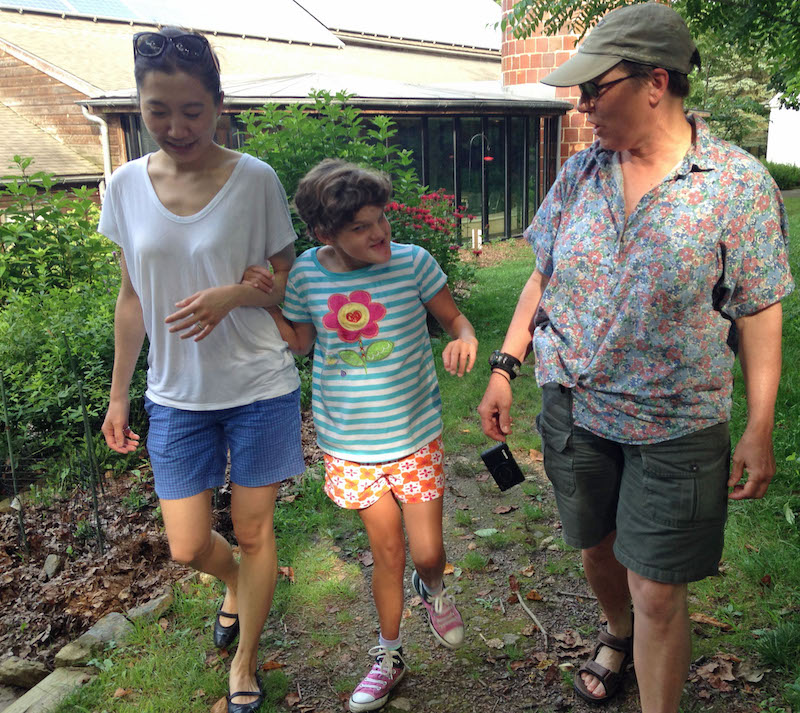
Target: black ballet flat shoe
(224, 636)
(251, 707)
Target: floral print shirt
(636, 315)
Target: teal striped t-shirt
(375, 396)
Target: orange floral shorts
(417, 478)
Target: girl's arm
(198, 314)
(128, 338)
(459, 355)
(300, 336)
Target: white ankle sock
(390, 644)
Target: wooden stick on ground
(533, 616)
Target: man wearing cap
(654, 248)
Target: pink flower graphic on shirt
(354, 317)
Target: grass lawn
(166, 668)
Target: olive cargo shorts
(667, 501)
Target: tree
(749, 26)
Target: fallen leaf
(336, 548)
(332, 609)
(482, 478)
(292, 699)
(750, 547)
(122, 692)
(288, 498)
(535, 455)
(503, 509)
(462, 506)
(766, 580)
(163, 623)
(199, 693)
(711, 621)
(449, 568)
(513, 583)
(472, 546)
(287, 573)
(495, 643)
(465, 430)
(528, 571)
(221, 706)
(366, 558)
(271, 665)
(486, 532)
(533, 596)
(407, 613)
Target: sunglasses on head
(153, 44)
(592, 90)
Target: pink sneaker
(443, 617)
(385, 674)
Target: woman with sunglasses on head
(189, 219)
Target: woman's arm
(495, 407)
(459, 355)
(198, 314)
(129, 335)
(300, 336)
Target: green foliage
(433, 224)
(732, 87)
(47, 237)
(295, 138)
(785, 175)
(43, 397)
(769, 27)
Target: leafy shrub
(433, 224)
(293, 139)
(44, 405)
(47, 237)
(784, 174)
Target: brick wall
(528, 61)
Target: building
(67, 95)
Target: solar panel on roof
(103, 8)
(51, 5)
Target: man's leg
(661, 643)
(609, 582)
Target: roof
(381, 94)
(18, 135)
(469, 23)
(96, 57)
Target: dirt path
(505, 665)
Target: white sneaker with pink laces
(443, 617)
(385, 674)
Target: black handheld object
(502, 466)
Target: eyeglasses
(592, 90)
(153, 44)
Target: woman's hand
(459, 355)
(118, 434)
(199, 313)
(259, 277)
(495, 407)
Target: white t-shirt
(170, 257)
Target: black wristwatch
(506, 362)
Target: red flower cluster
(419, 218)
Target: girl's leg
(384, 524)
(252, 511)
(424, 527)
(193, 542)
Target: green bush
(784, 174)
(295, 138)
(48, 238)
(44, 405)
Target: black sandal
(251, 707)
(611, 680)
(224, 636)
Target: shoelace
(385, 660)
(440, 600)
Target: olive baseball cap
(648, 33)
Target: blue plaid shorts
(189, 449)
